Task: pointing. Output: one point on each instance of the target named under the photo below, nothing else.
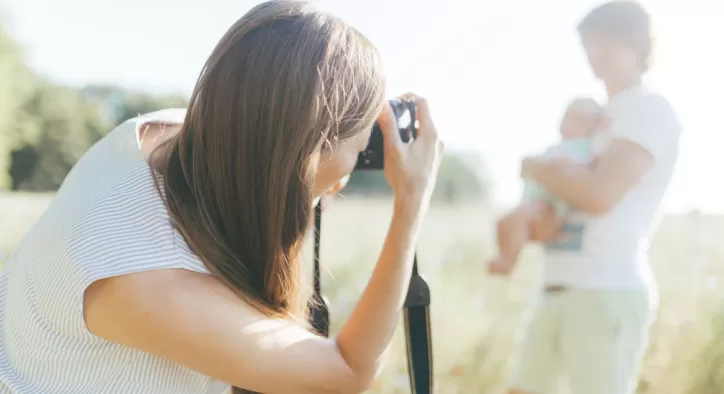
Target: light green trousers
(592, 341)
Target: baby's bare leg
(512, 236)
(544, 224)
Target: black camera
(372, 158)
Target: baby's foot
(499, 266)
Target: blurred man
(590, 326)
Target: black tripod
(416, 316)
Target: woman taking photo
(169, 261)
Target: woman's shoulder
(113, 178)
(128, 229)
(110, 215)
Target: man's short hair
(623, 19)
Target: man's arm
(594, 189)
(643, 132)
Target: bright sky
(497, 73)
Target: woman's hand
(411, 168)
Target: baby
(581, 121)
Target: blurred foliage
(461, 177)
(45, 128)
(56, 126)
(118, 104)
(16, 85)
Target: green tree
(17, 83)
(118, 104)
(55, 125)
(58, 127)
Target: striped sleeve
(118, 232)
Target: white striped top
(107, 219)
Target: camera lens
(372, 158)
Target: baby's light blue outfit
(580, 150)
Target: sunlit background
(497, 73)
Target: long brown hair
(284, 82)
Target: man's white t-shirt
(610, 251)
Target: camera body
(372, 158)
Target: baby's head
(581, 119)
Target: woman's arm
(194, 320)
(370, 327)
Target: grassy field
(476, 318)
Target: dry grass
(476, 317)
